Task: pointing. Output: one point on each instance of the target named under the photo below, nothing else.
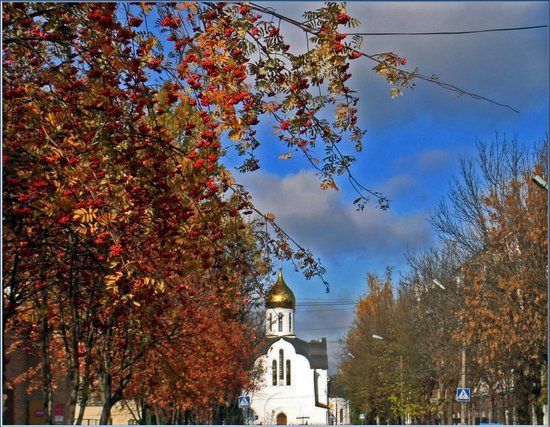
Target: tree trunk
(449, 412)
(106, 379)
(105, 417)
(157, 418)
(47, 374)
(491, 405)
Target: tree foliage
(483, 291)
(129, 262)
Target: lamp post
(463, 367)
(463, 404)
(541, 182)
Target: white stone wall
(287, 321)
(296, 400)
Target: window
(289, 322)
(280, 322)
(288, 372)
(274, 368)
(281, 365)
(270, 322)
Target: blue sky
(413, 143)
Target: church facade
(294, 385)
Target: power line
(438, 33)
(326, 329)
(301, 306)
(323, 310)
(433, 80)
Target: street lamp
(438, 283)
(540, 182)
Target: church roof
(280, 295)
(314, 351)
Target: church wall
(296, 400)
(287, 323)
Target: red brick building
(24, 402)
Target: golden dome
(280, 295)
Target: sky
(413, 143)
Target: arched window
(270, 322)
(274, 368)
(288, 372)
(289, 322)
(280, 322)
(281, 365)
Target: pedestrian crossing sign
(244, 401)
(462, 394)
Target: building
(23, 398)
(294, 384)
(339, 411)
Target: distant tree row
(482, 294)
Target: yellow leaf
(235, 134)
(146, 7)
(161, 286)
(111, 279)
(325, 185)
(285, 156)
(34, 108)
(54, 119)
(71, 140)
(395, 92)
(192, 6)
(80, 229)
(85, 215)
(48, 208)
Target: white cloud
(425, 162)
(324, 223)
(487, 64)
(398, 185)
(433, 160)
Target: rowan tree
(122, 228)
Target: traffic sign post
(462, 394)
(244, 401)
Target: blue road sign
(462, 394)
(244, 401)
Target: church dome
(280, 295)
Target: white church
(294, 386)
